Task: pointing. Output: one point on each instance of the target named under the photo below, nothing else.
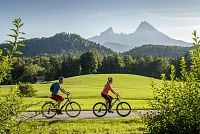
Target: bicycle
(72, 108)
(123, 108)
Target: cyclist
(105, 91)
(57, 86)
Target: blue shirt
(56, 88)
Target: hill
(60, 44)
(159, 50)
(90, 86)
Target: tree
(178, 101)
(112, 64)
(71, 67)
(89, 62)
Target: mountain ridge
(144, 34)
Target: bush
(178, 100)
(10, 109)
(26, 89)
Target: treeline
(159, 50)
(91, 62)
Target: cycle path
(82, 115)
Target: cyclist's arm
(63, 91)
(113, 91)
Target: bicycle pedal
(110, 111)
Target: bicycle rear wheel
(100, 109)
(73, 109)
(123, 109)
(48, 110)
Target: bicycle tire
(48, 110)
(125, 107)
(73, 109)
(96, 110)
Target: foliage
(10, 108)
(178, 100)
(98, 126)
(6, 60)
(89, 62)
(71, 67)
(26, 89)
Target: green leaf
(14, 36)
(9, 42)
(195, 33)
(21, 25)
(21, 45)
(199, 42)
(21, 38)
(14, 30)
(8, 50)
(18, 52)
(22, 33)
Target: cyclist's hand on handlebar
(117, 94)
(68, 93)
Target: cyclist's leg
(58, 99)
(110, 101)
(108, 98)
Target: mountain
(144, 34)
(116, 46)
(159, 50)
(60, 44)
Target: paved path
(82, 115)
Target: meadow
(88, 126)
(86, 90)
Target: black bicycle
(123, 108)
(72, 108)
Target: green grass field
(86, 90)
(88, 126)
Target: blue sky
(44, 18)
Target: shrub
(178, 101)
(26, 89)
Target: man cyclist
(105, 91)
(57, 86)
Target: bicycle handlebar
(69, 96)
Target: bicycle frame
(116, 99)
(68, 101)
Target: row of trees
(91, 62)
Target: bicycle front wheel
(73, 109)
(123, 109)
(100, 109)
(48, 110)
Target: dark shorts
(107, 97)
(56, 97)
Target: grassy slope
(86, 89)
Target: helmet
(110, 78)
(61, 78)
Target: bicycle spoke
(100, 109)
(123, 109)
(73, 109)
(48, 110)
